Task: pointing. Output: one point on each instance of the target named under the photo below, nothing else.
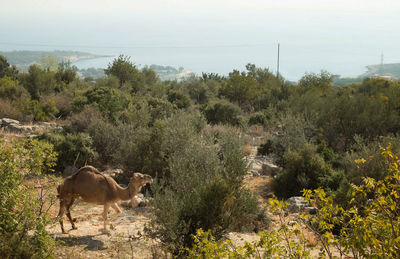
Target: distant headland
(22, 59)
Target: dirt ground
(123, 240)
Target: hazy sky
(314, 34)
(121, 6)
(61, 17)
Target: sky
(121, 6)
(321, 32)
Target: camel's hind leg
(68, 212)
(61, 212)
(60, 216)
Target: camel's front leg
(105, 212)
(117, 211)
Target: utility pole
(277, 69)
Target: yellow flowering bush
(368, 228)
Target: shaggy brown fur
(94, 187)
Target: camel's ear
(134, 176)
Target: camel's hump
(86, 169)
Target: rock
(264, 165)
(11, 125)
(297, 204)
(310, 210)
(6, 122)
(137, 201)
(48, 125)
(15, 126)
(37, 128)
(113, 172)
(69, 170)
(270, 169)
(269, 194)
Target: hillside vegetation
(338, 142)
(23, 59)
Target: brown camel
(94, 187)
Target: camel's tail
(58, 191)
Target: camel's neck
(127, 193)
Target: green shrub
(12, 110)
(41, 111)
(79, 122)
(72, 149)
(223, 112)
(137, 113)
(11, 90)
(293, 133)
(204, 190)
(78, 103)
(109, 101)
(62, 102)
(147, 149)
(23, 217)
(179, 99)
(265, 148)
(125, 71)
(6, 70)
(65, 73)
(141, 149)
(327, 153)
(108, 138)
(369, 224)
(39, 81)
(304, 169)
(374, 166)
(369, 227)
(199, 91)
(160, 108)
(257, 118)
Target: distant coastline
(88, 64)
(22, 59)
(389, 71)
(92, 65)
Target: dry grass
(256, 131)
(247, 149)
(8, 110)
(259, 186)
(312, 240)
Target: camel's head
(140, 180)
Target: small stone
(296, 204)
(310, 210)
